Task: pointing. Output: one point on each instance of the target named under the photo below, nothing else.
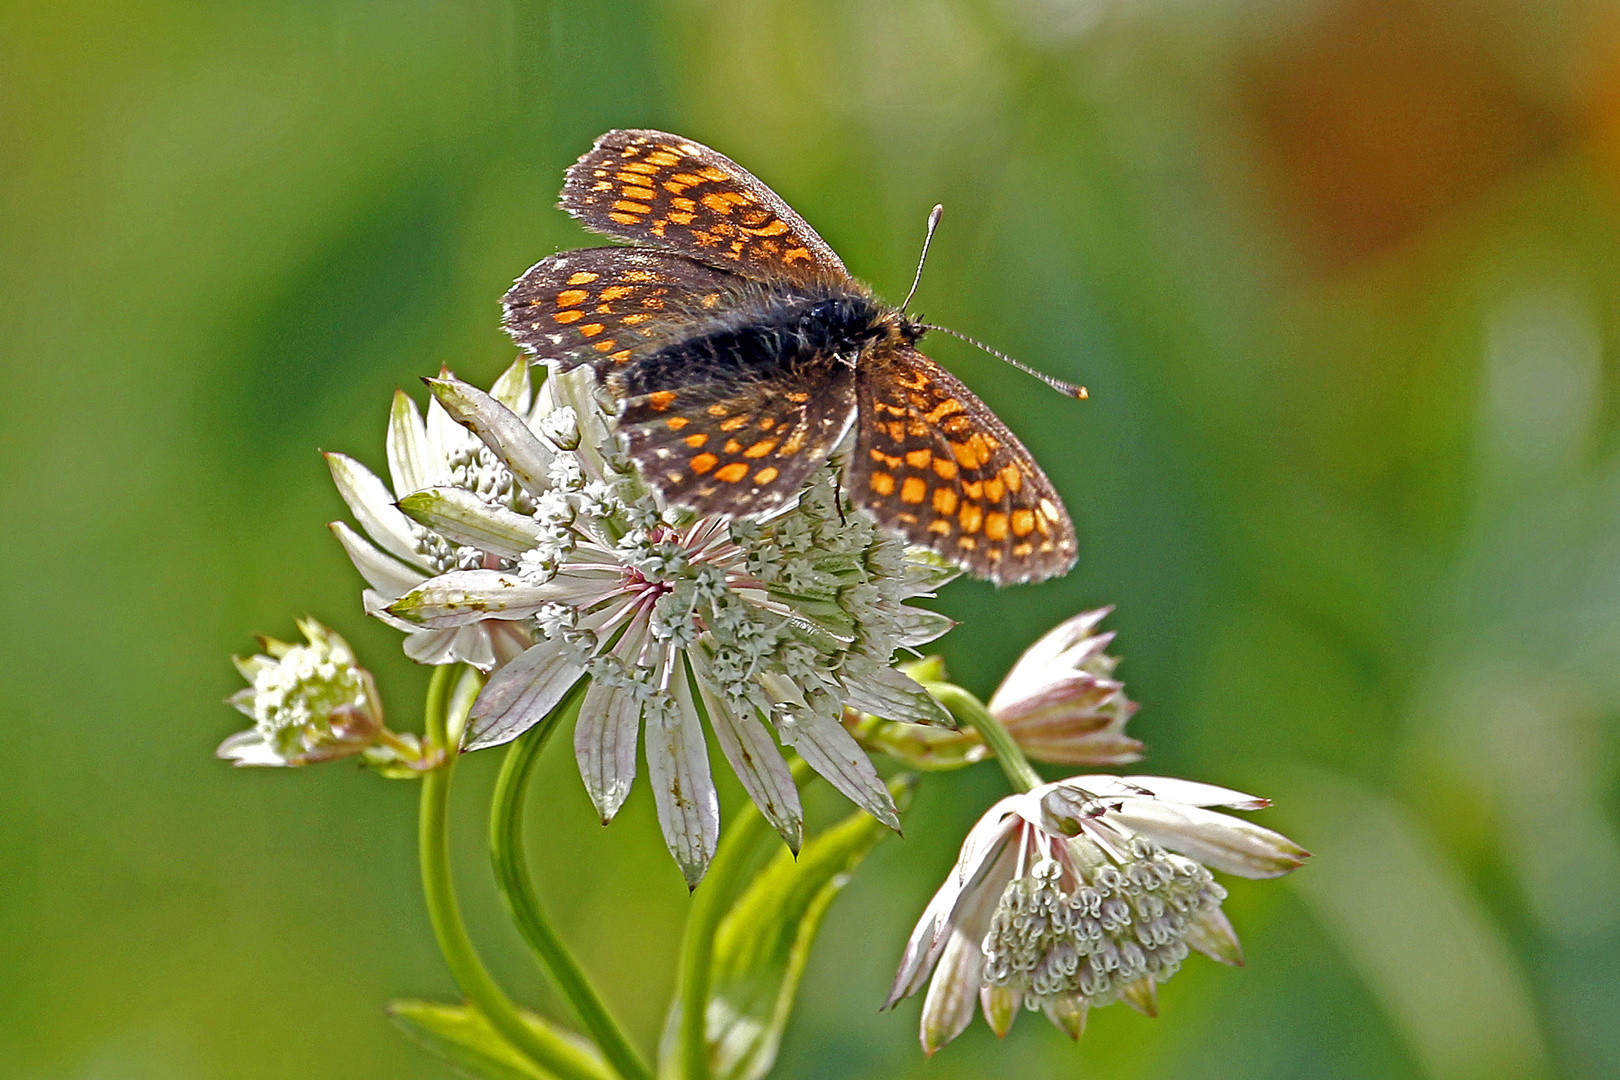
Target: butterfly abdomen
(766, 341)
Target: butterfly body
(742, 353)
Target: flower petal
(373, 507)
(953, 993)
(434, 646)
(1167, 789)
(520, 694)
(249, 748)
(382, 572)
(466, 596)
(1211, 933)
(1214, 839)
(502, 430)
(411, 465)
(830, 750)
(463, 517)
(512, 388)
(892, 695)
(605, 745)
(683, 790)
(919, 626)
(753, 755)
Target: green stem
(710, 901)
(512, 877)
(970, 712)
(545, 1048)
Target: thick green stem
(512, 877)
(543, 1047)
(970, 711)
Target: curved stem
(970, 711)
(542, 1046)
(516, 888)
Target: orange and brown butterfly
(742, 353)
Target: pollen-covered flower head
(771, 624)
(1081, 893)
(431, 452)
(308, 702)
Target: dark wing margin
(606, 306)
(650, 187)
(933, 463)
(737, 446)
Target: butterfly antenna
(1067, 389)
(933, 223)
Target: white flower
(764, 625)
(442, 455)
(1080, 893)
(1061, 703)
(313, 703)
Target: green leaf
(461, 1035)
(764, 942)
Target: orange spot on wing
(913, 490)
(761, 448)
(662, 159)
(616, 292)
(1012, 477)
(582, 277)
(717, 410)
(971, 517)
(659, 400)
(736, 422)
(1023, 522)
(882, 483)
(620, 357)
(940, 526)
(995, 526)
(732, 473)
(766, 475)
(944, 501)
(592, 329)
(943, 409)
(566, 317)
(696, 439)
(604, 345)
(776, 228)
(624, 219)
(732, 446)
(1023, 550)
(945, 468)
(919, 459)
(675, 423)
(704, 462)
(994, 489)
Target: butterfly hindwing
(932, 462)
(734, 442)
(649, 187)
(603, 306)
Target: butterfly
(741, 353)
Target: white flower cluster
(1065, 898)
(766, 625)
(312, 703)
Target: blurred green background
(1342, 276)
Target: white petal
(460, 597)
(373, 507)
(502, 430)
(376, 605)
(1214, 839)
(830, 750)
(512, 388)
(472, 645)
(520, 694)
(892, 695)
(434, 646)
(1045, 654)
(248, 748)
(382, 572)
(919, 626)
(753, 755)
(1168, 789)
(463, 517)
(410, 464)
(444, 435)
(678, 769)
(605, 745)
(953, 994)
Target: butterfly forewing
(934, 463)
(603, 306)
(649, 187)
